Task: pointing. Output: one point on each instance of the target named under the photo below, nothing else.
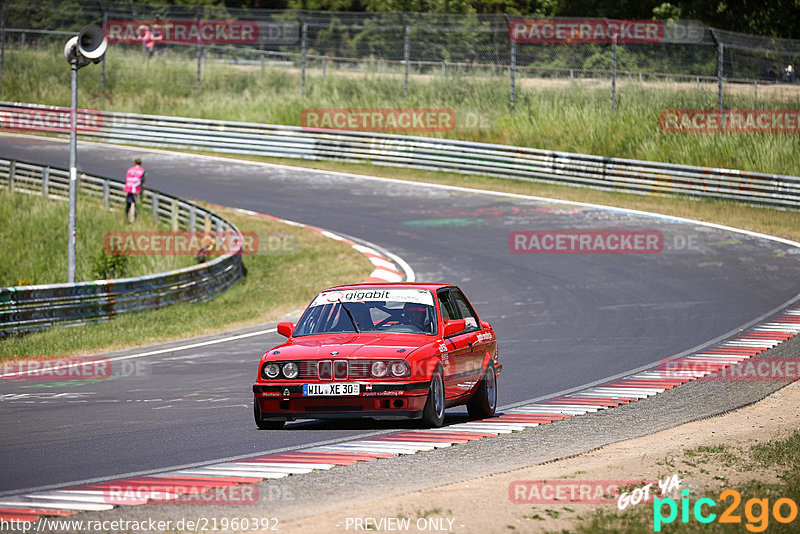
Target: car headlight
(379, 369)
(400, 368)
(290, 370)
(270, 370)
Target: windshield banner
(419, 296)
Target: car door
(458, 356)
(476, 337)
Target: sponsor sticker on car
(331, 389)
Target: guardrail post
(303, 54)
(154, 204)
(106, 191)
(192, 218)
(12, 173)
(262, 62)
(174, 215)
(324, 66)
(45, 182)
(755, 94)
(444, 72)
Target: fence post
(262, 62)
(513, 73)
(2, 39)
(512, 70)
(199, 53)
(45, 182)
(755, 94)
(303, 54)
(720, 55)
(154, 204)
(103, 59)
(12, 172)
(614, 73)
(406, 54)
(444, 71)
(324, 66)
(106, 200)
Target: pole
(73, 170)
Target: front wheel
(483, 403)
(433, 414)
(265, 425)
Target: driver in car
(414, 314)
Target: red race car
(387, 351)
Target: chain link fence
(413, 47)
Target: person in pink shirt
(134, 180)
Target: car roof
(397, 285)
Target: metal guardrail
(609, 174)
(28, 308)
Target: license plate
(331, 389)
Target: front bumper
(385, 401)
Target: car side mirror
(453, 327)
(286, 329)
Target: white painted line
(153, 352)
(288, 464)
(425, 444)
(230, 473)
(235, 466)
(386, 275)
(57, 505)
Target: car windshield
(399, 311)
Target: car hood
(319, 347)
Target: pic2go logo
(756, 511)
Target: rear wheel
(433, 414)
(482, 405)
(265, 425)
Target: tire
(265, 425)
(433, 413)
(484, 402)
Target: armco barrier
(27, 308)
(612, 174)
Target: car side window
(467, 313)
(446, 304)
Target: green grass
(280, 278)
(571, 118)
(34, 241)
(783, 454)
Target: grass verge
(279, 279)
(574, 118)
(34, 242)
(754, 510)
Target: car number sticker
(331, 389)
